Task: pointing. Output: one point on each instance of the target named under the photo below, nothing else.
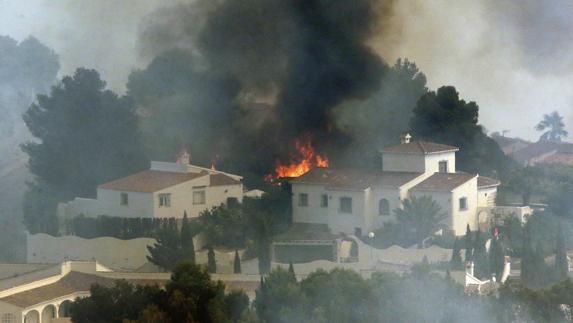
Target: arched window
(8, 318)
(384, 207)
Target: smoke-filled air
(286, 160)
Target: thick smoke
(26, 69)
(512, 57)
(303, 57)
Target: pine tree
(264, 257)
(211, 263)
(237, 263)
(187, 245)
(166, 252)
(561, 262)
(469, 244)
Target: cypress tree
(187, 245)
(456, 261)
(561, 262)
(211, 263)
(237, 263)
(469, 244)
(480, 257)
(291, 270)
(526, 258)
(496, 257)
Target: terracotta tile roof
(222, 179)
(535, 150)
(444, 181)
(149, 181)
(558, 158)
(484, 181)
(420, 147)
(354, 178)
(71, 283)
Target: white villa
(359, 201)
(164, 190)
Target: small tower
(405, 138)
(184, 158)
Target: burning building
(358, 201)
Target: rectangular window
(463, 203)
(324, 200)
(303, 199)
(199, 197)
(443, 166)
(345, 205)
(164, 200)
(124, 199)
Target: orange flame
(306, 159)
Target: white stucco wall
(373, 218)
(487, 196)
(461, 218)
(147, 204)
(6, 308)
(456, 219)
(336, 220)
(395, 162)
(400, 162)
(182, 198)
(108, 203)
(348, 222)
(112, 252)
(313, 213)
(139, 204)
(444, 200)
(432, 162)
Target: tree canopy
(86, 135)
(442, 116)
(189, 296)
(422, 214)
(552, 127)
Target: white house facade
(354, 201)
(165, 190)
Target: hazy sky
(513, 57)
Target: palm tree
(420, 214)
(553, 126)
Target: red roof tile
(354, 178)
(420, 147)
(558, 158)
(444, 181)
(487, 182)
(149, 181)
(222, 180)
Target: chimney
(184, 157)
(405, 138)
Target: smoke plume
(302, 58)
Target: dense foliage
(117, 227)
(443, 117)
(190, 296)
(87, 135)
(173, 244)
(552, 127)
